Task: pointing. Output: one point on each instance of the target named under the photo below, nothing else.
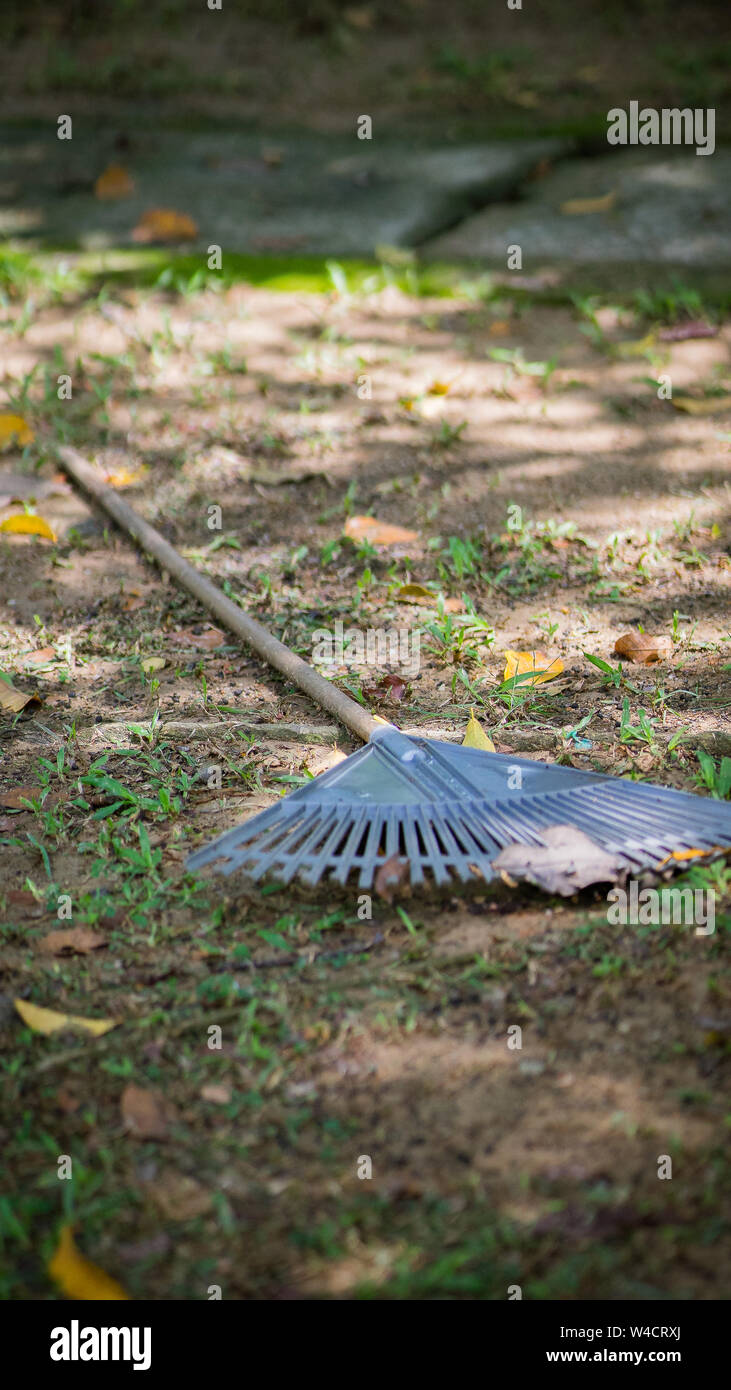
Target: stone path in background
(307, 194)
(667, 207)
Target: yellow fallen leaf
(14, 430)
(114, 182)
(475, 736)
(164, 224)
(520, 663)
(426, 598)
(123, 477)
(152, 663)
(11, 697)
(576, 206)
(710, 405)
(439, 388)
(369, 528)
(49, 1021)
(76, 1276)
(22, 524)
(638, 346)
(681, 854)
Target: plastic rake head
(449, 811)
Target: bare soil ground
(560, 502)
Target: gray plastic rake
(449, 811)
(446, 810)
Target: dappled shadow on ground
(490, 1166)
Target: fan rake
(445, 811)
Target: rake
(445, 811)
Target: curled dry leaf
(13, 699)
(320, 760)
(145, 1112)
(217, 1094)
(391, 688)
(164, 224)
(369, 528)
(566, 861)
(678, 856)
(426, 598)
(521, 663)
(681, 332)
(76, 1276)
(114, 183)
(709, 405)
(391, 876)
(641, 647)
(49, 1021)
(179, 1197)
(76, 941)
(38, 658)
(15, 799)
(14, 431)
(579, 206)
(22, 524)
(208, 638)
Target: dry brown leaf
(14, 430)
(114, 183)
(16, 797)
(566, 861)
(217, 1094)
(369, 528)
(520, 663)
(41, 657)
(164, 224)
(179, 1197)
(709, 405)
(320, 760)
(690, 328)
(76, 1276)
(641, 647)
(23, 524)
(577, 206)
(209, 638)
(23, 898)
(426, 598)
(13, 699)
(498, 328)
(391, 876)
(74, 941)
(146, 1113)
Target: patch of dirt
(346, 1036)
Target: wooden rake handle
(268, 647)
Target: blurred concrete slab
(669, 208)
(299, 193)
